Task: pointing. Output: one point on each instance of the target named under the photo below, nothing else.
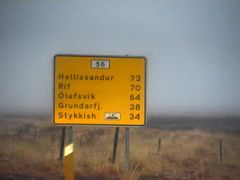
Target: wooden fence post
(220, 148)
(35, 133)
(159, 145)
(115, 143)
(52, 144)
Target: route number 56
(100, 64)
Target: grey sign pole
(127, 149)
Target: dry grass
(184, 154)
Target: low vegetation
(31, 150)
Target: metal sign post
(127, 149)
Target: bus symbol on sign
(112, 116)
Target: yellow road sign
(99, 90)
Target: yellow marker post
(68, 157)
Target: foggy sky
(192, 47)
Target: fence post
(52, 143)
(115, 143)
(6, 129)
(220, 148)
(35, 133)
(159, 145)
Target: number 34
(134, 116)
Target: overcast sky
(192, 47)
